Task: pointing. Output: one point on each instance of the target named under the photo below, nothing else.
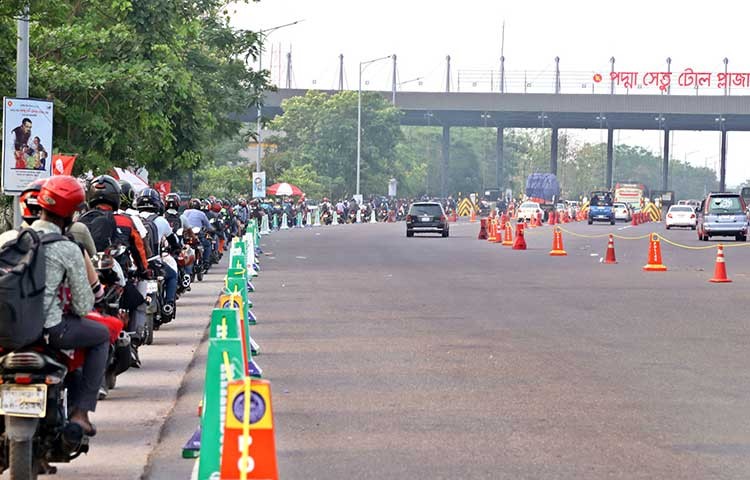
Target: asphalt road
(432, 358)
(454, 358)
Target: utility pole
(22, 83)
(393, 84)
(502, 60)
(341, 72)
(289, 68)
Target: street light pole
(22, 83)
(263, 34)
(359, 113)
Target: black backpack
(102, 225)
(22, 281)
(152, 237)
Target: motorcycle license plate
(152, 287)
(23, 401)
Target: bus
(630, 193)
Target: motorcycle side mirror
(196, 230)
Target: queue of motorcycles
(36, 380)
(326, 214)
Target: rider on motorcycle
(149, 205)
(59, 199)
(194, 217)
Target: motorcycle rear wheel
(199, 273)
(22, 465)
(149, 333)
(110, 378)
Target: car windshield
(601, 202)
(725, 205)
(681, 209)
(620, 205)
(426, 209)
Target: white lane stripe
(625, 227)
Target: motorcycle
(326, 218)
(35, 429)
(112, 279)
(382, 215)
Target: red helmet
(216, 206)
(29, 200)
(61, 195)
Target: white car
(527, 210)
(681, 216)
(622, 212)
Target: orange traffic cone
(482, 230)
(720, 272)
(503, 221)
(557, 244)
(491, 230)
(520, 242)
(473, 217)
(508, 240)
(610, 257)
(498, 232)
(654, 255)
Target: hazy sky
(584, 34)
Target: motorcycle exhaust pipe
(123, 340)
(167, 309)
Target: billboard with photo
(27, 142)
(259, 184)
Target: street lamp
(359, 112)
(418, 79)
(263, 34)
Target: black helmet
(127, 194)
(195, 203)
(172, 201)
(148, 200)
(104, 189)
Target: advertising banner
(259, 184)
(27, 142)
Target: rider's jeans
(170, 284)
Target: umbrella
(284, 189)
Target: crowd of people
(104, 225)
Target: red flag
(164, 187)
(63, 164)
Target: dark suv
(724, 215)
(426, 217)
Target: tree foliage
(135, 82)
(321, 131)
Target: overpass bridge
(612, 112)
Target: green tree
(320, 130)
(136, 82)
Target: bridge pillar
(553, 151)
(610, 156)
(723, 162)
(665, 162)
(499, 158)
(445, 160)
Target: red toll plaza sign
(688, 78)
